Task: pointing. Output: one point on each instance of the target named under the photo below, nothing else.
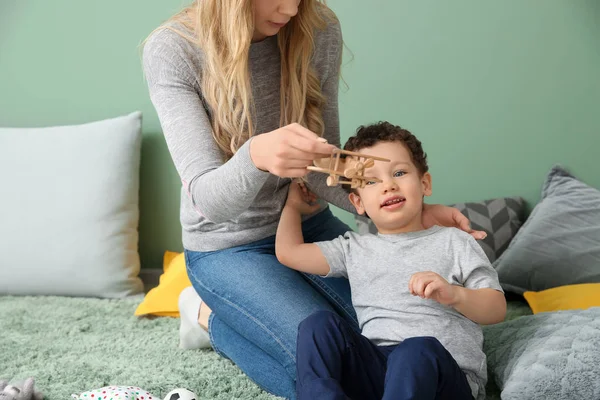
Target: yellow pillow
(569, 297)
(162, 300)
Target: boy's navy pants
(334, 361)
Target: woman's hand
(437, 214)
(301, 199)
(287, 151)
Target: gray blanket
(546, 356)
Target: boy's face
(395, 204)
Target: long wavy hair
(223, 29)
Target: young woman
(243, 88)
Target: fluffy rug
(72, 345)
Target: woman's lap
(258, 303)
(255, 295)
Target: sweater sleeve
(335, 195)
(219, 191)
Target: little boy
(419, 294)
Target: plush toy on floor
(25, 392)
(131, 393)
(181, 394)
(116, 392)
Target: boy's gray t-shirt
(379, 268)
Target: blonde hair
(223, 29)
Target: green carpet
(71, 345)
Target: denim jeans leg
(260, 304)
(260, 367)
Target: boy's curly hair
(370, 135)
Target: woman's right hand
(287, 151)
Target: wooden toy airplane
(352, 167)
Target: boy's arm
(480, 298)
(290, 248)
(483, 306)
(477, 293)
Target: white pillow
(69, 209)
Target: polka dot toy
(116, 393)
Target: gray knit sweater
(232, 203)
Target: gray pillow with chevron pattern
(559, 244)
(500, 218)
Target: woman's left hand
(437, 214)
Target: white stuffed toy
(14, 392)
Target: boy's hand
(429, 285)
(301, 199)
(437, 214)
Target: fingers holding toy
(288, 151)
(429, 285)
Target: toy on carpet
(131, 393)
(180, 394)
(23, 392)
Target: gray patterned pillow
(559, 244)
(500, 218)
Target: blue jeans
(258, 303)
(335, 362)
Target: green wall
(497, 91)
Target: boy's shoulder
(463, 244)
(455, 239)
(455, 233)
